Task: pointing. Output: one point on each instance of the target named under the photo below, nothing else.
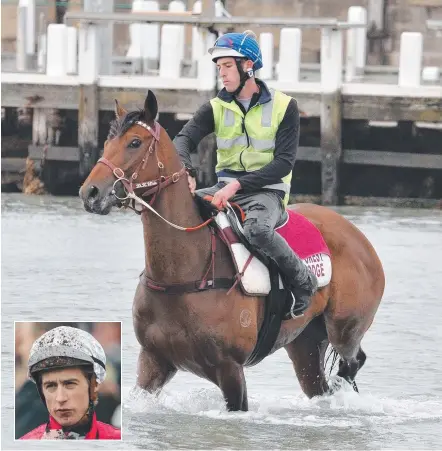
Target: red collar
(91, 435)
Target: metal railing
(204, 21)
(434, 25)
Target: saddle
(253, 266)
(257, 275)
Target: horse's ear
(150, 107)
(119, 110)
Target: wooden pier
(336, 90)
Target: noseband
(153, 186)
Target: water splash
(342, 409)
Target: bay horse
(209, 332)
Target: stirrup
(292, 308)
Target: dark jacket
(286, 144)
(29, 410)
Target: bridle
(153, 186)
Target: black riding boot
(303, 288)
(300, 302)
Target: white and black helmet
(64, 347)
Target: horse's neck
(171, 255)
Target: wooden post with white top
(25, 44)
(289, 55)
(144, 49)
(331, 113)
(105, 34)
(21, 57)
(266, 44)
(410, 59)
(356, 44)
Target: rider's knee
(258, 234)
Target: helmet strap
(243, 75)
(81, 427)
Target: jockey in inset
(257, 135)
(67, 366)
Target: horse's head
(129, 157)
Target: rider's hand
(224, 194)
(192, 184)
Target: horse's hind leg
(230, 379)
(153, 372)
(307, 352)
(349, 368)
(345, 336)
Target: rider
(67, 366)
(257, 134)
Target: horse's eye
(135, 143)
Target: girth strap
(188, 287)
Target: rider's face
(67, 395)
(228, 73)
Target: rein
(154, 186)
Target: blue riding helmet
(238, 45)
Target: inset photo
(68, 380)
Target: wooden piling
(331, 146)
(88, 106)
(88, 109)
(331, 113)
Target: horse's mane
(119, 126)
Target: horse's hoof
(335, 384)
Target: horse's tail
(333, 354)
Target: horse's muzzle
(95, 201)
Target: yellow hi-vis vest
(247, 143)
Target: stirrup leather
(292, 308)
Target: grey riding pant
(264, 212)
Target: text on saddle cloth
(302, 236)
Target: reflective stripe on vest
(267, 109)
(258, 144)
(229, 118)
(266, 119)
(246, 143)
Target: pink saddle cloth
(302, 236)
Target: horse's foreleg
(307, 355)
(230, 379)
(153, 371)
